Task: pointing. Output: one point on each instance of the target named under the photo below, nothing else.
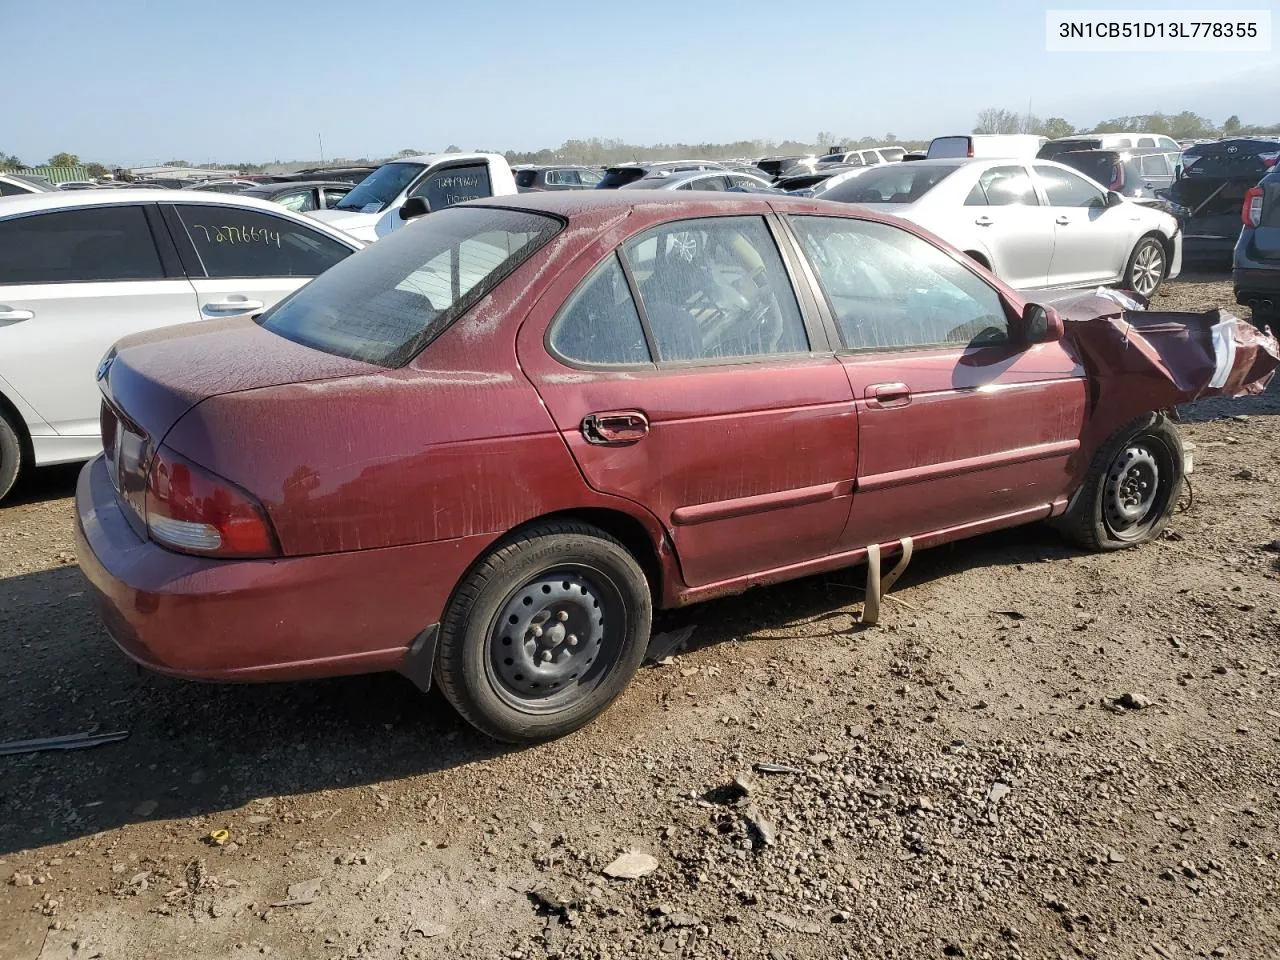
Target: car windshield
(379, 188)
(387, 302)
(890, 183)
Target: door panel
(51, 359)
(988, 431)
(1006, 217)
(1090, 239)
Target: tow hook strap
(878, 586)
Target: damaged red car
(484, 450)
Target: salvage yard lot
(958, 781)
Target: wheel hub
(547, 635)
(1148, 269)
(1132, 485)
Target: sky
(267, 80)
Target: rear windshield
(1245, 158)
(893, 154)
(1100, 165)
(387, 302)
(379, 188)
(944, 147)
(615, 177)
(526, 178)
(890, 183)
(1053, 148)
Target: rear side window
(599, 324)
(1064, 188)
(9, 190)
(891, 183)
(79, 246)
(527, 178)
(234, 242)
(716, 289)
(1155, 165)
(444, 188)
(399, 294)
(889, 289)
(589, 177)
(299, 201)
(943, 147)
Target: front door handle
(887, 395)
(616, 428)
(8, 315)
(984, 221)
(233, 305)
(1063, 221)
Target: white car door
(1005, 216)
(1091, 240)
(73, 282)
(242, 261)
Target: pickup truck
(441, 179)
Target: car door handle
(233, 305)
(616, 428)
(887, 395)
(1063, 221)
(984, 221)
(8, 315)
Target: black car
(1256, 267)
(300, 197)
(805, 181)
(1215, 178)
(535, 179)
(353, 174)
(778, 167)
(614, 177)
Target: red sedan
(485, 448)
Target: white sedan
(81, 269)
(1034, 223)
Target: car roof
(119, 196)
(284, 185)
(429, 158)
(602, 204)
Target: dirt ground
(956, 782)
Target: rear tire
(11, 456)
(1131, 488)
(544, 633)
(1148, 266)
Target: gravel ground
(1038, 753)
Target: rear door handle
(1063, 221)
(616, 428)
(887, 395)
(233, 305)
(984, 221)
(8, 315)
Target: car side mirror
(414, 207)
(1114, 199)
(1038, 324)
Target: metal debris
(74, 741)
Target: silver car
(1033, 223)
(696, 180)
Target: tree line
(598, 151)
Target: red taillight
(1251, 211)
(970, 153)
(191, 510)
(1117, 177)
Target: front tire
(1131, 488)
(1148, 265)
(544, 633)
(11, 459)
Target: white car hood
(359, 225)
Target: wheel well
(10, 413)
(978, 258)
(1166, 244)
(627, 530)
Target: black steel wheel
(544, 632)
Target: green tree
(997, 120)
(1231, 126)
(95, 170)
(10, 161)
(1055, 127)
(176, 163)
(408, 152)
(453, 148)
(64, 160)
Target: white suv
(80, 270)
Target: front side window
(889, 289)
(298, 201)
(79, 246)
(453, 185)
(599, 324)
(1146, 141)
(334, 194)
(399, 294)
(238, 242)
(716, 288)
(589, 178)
(1065, 188)
(378, 189)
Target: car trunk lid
(1215, 178)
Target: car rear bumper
(1257, 284)
(256, 620)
